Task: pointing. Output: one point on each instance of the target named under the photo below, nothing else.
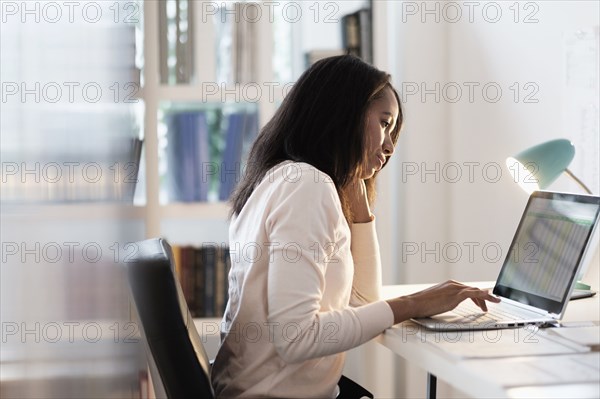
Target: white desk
(495, 371)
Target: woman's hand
(356, 194)
(438, 299)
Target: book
(232, 155)
(163, 42)
(244, 46)
(209, 264)
(222, 280)
(237, 44)
(357, 34)
(187, 154)
(227, 259)
(350, 34)
(242, 129)
(185, 42)
(177, 261)
(250, 134)
(188, 276)
(220, 285)
(201, 156)
(204, 278)
(197, 308)
(176, 41)
(132, 169)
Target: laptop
(539, 273)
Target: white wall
(478, 211)
(419, 214)
(510, 52)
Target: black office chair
(179, 366)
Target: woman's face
(382, 117)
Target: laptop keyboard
(472, 313)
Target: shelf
(193, 223)
(212, 92)
(195, 210)
(74, 211)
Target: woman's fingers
(480, 303)
(446, 296)
(480, 297)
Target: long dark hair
(322, 122)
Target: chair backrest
(178, 363)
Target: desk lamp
(539, 166)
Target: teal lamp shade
(537, 167)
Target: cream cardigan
(303, 288)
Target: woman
(306, 274)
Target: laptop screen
(547, 249)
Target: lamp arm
(587, 190)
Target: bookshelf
(161, 96)
(205, 84)
(279, 50)
(192, 223)
(281, 54)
